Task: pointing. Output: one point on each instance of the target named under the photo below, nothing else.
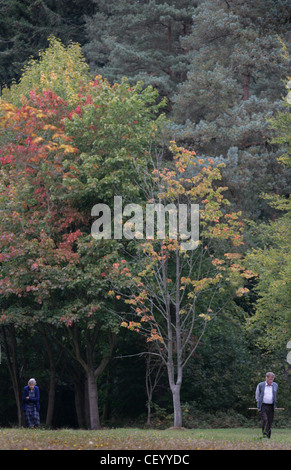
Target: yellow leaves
(7, 106)
(132, 325)
(9, 112)
(233, 255)
(56, 135)
(41, 115)
(10, 115)
(37, 140)
(49, 147)
(54, 76)
(197, 286)
(52, 146)
(49, 127)
(205, 316)
(68, 148)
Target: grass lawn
(138, 439)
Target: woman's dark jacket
(34, 400)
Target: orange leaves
(9, 116)
(49, 127)
(7, 107)
(132, 325)
(241, 291)
(33, 148)
(154, 336)
(136, 326)
(68, 148)
(35, 129)
(163, 291)
(248, 274)
(37, 140)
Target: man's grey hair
(270, 374)
(32, 381)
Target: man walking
(266, 396)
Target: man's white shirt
(268, 394)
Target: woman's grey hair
(32, 381)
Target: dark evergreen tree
(25, 26)
(140, 40)
(234, 84)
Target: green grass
(150, 439)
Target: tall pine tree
(234, 84)
(140, 40)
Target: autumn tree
(59, 157)
(179, 285)
(37, 233)
(42, 100)
(59, 68)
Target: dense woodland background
(223, 67)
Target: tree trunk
(105, 414)
(174, 341)
(80, 400)
(246, 87)
(176, 389)
(86, 404)
(170, 37)
(88, 365)
(10, 348)
(151, 369)
(52, 381)
(93, 400)
(79, 405)
(77, 375)
(51, 398)
(149, 413)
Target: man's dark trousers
(267, 416)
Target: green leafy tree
(113, 127)
(59, 68)
(271, 261)
(272, 257)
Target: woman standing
(30, 404)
